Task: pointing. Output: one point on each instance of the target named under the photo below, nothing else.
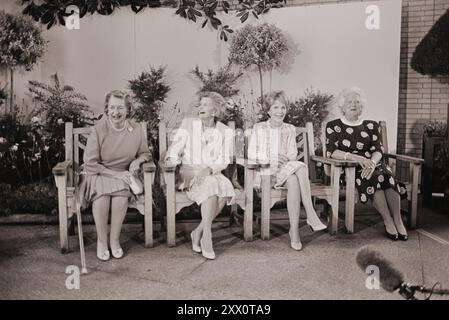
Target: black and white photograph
(241, 151)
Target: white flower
(358, 181)
(337, 129)
(46, 148)
(2, 140)
(370, 190)
(367, 154)
(391, 180)
(329, 130)
(349, 130)
(364, 134)
(380, 178)
(346, 143)
(370, 126)
(378, 186)
(15, 147)
(336, 143)
(360, 145)
(60, 121)
(35, 119)
(328, 154)
(363, 197)
(374, 137)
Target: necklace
(118, 130)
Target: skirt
(199, 189)
(280, 176)
(93, 187)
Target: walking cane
(80, 230)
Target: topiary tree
(21, 46)
(150, 91)
(431, 56)
(260, 48)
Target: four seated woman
(114, 152)
(202, 146)
(274, 141)
(352, 138)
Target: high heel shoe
(391, 236)
(295, 245)
(207, 254)
(402, 237)
(105, 256)
(320, 226)
(117, 253)
(196, 248)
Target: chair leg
(248, 217)
(63, 220)
(148, 218)
(335, 182)
(413, 208)
(171, 213)
(266, 206)
(350, 191)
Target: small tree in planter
(259, 48)
(21, 46)
(223, 81)
(150, 91)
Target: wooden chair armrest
(149, 166)
(62, 167)
(334, 162)
(167, 166)
(247, 163)
(404, 158)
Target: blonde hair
(271, 98)
(218, 101)
(121, 94)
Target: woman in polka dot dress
(351, 138)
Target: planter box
(431, 176)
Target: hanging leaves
(51, 12)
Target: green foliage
(150, 91)
(21, 42)
(442, 164)
(32, 198)
(51, 12)
(223, 81)
(431, 56)
(435, 128)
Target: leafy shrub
(435, 128)
(150, 91)
(31, 198)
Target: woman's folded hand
(134, 166)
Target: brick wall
(420, 97)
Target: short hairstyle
(121, 94)
(271, 98)
(218, 101)
(343, 96)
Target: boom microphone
(390, 278)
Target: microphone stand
(408, 291)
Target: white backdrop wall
(336, 51)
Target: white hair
(346, 92)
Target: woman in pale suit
(203, 146)
(115, 149)
(274, 141)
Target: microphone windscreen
(389, 277)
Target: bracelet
(346, 155)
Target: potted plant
(21, 46)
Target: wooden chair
(176, 200)
(66, 177)
(326, 191)
(412, 182)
